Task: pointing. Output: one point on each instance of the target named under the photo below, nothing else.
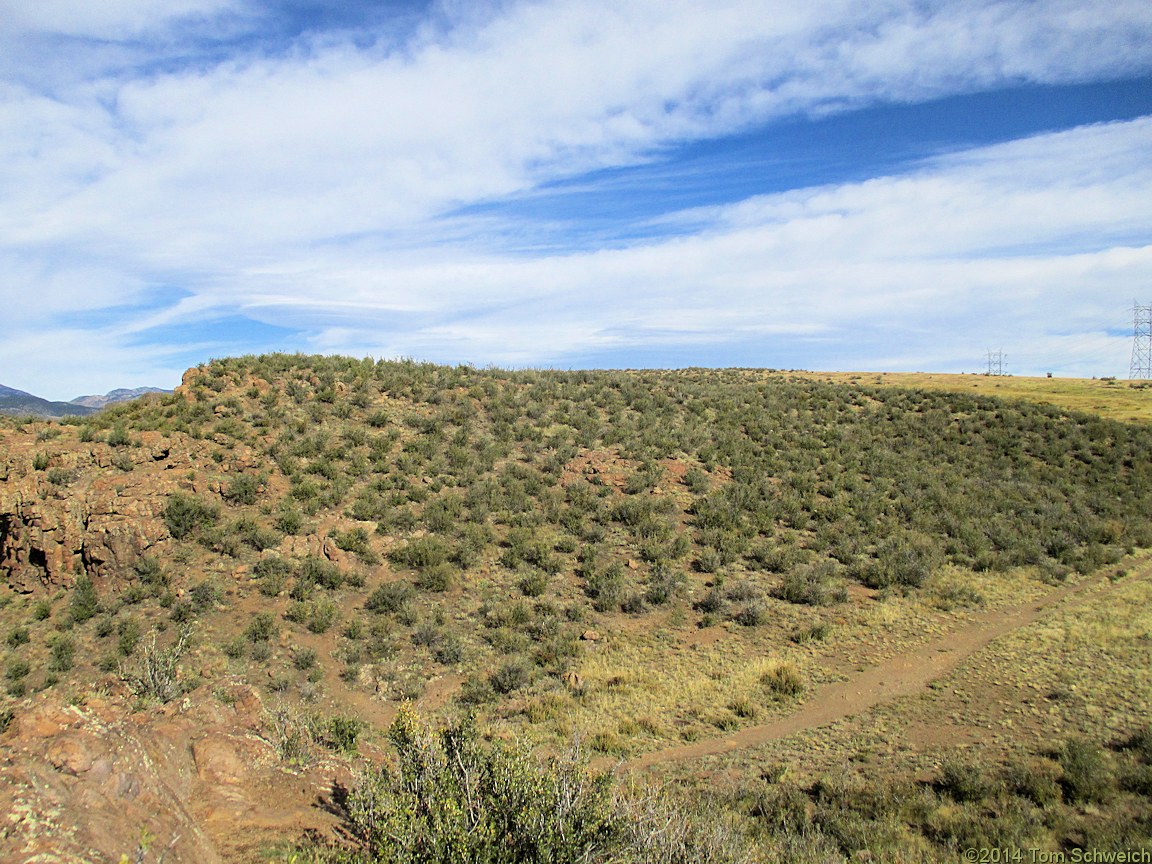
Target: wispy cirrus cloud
(1011, 243)
(320, 182)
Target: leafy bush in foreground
(455, 798)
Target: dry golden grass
(646, 690)
(641, 693)
(1130, 401)
(1083, 669)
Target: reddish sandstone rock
(198, 776)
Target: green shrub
(427, 635)
(752, 614)
(773, 558)
(1036, 780)
(475, 691)
(253, 534)
(454, 798)
(709, 560)
(633, 604)
(157, 675)
(390, 598)
(697, 481)
(63, 653)
(605, 587)
(785, 809)
(513, 675)
(355, 540)
(289, 520)
(964, 781)
(244, 489)
(437, 578)
(711, 603)
(420, 552)
(814, 633)
(151, 573)
(304, 658)
(1140, 742)
(292, 733)
(128, 632)
(1087, 775)
(119, 437)
(320, 571)
(203, 595)
(533, 583)
(321, 616)
(664, 583)
(84, 603)
(186, 516)
(342, 733)
(903, 559)
(813, 585)
(272, 574)
(261, 628)
(449, 650)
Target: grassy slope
(1130, 401)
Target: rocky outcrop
(95, 525)
(69, 507)
(60, 762)
(91, 509)
(196, 780)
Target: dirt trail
(901, 675)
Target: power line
(997, 360)
(1141, 341)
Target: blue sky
(902, 185)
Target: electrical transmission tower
(997, 360)
(1141, 341)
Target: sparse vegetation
(640, 560)
(157, 674)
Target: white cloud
(248, 182)
(1006, 244)
(107, 19)
(341, 140)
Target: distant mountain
(120, 395)
(18, 402)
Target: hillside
(643, 560)
(1103, 397)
